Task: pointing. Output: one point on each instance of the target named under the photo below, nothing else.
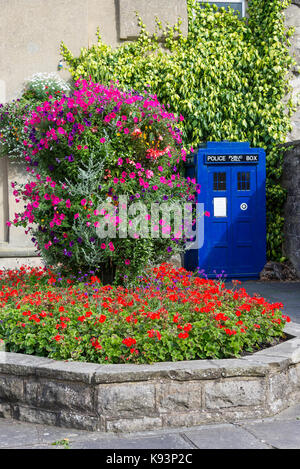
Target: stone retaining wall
(129, 398)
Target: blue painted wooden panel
(234, 242)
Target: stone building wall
(30, 35)
(291, 168)
(291, 182)
(293, 19)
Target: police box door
(230, 231)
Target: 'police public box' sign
(231, 158)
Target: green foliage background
(228, 77)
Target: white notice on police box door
(220, 207)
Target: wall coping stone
(257, 364)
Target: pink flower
(103, 246)
(111, 246)
(127, 262)
(102, 139)
(149, 174)
(83, 202)
(70, 117)
(76, 216)
(68, 203)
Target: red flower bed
(169, 315)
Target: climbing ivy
(228, 77)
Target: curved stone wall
(129, 398)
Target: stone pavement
(279, 432)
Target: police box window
(219, 181)
(237, 5)
(244, 181)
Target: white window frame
(243, 2)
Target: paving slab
(280, 434)
(225, 437)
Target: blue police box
(232, 177)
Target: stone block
(134, 399)
(5, 410)
(11, 388)
(181, 371)
(192, 418)
(234, 393)
(240, 367)
(79, 421)
(58, 395)
(31, 415)
(68, 371)
(20, 364)
(279, 387)
(177, 396)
